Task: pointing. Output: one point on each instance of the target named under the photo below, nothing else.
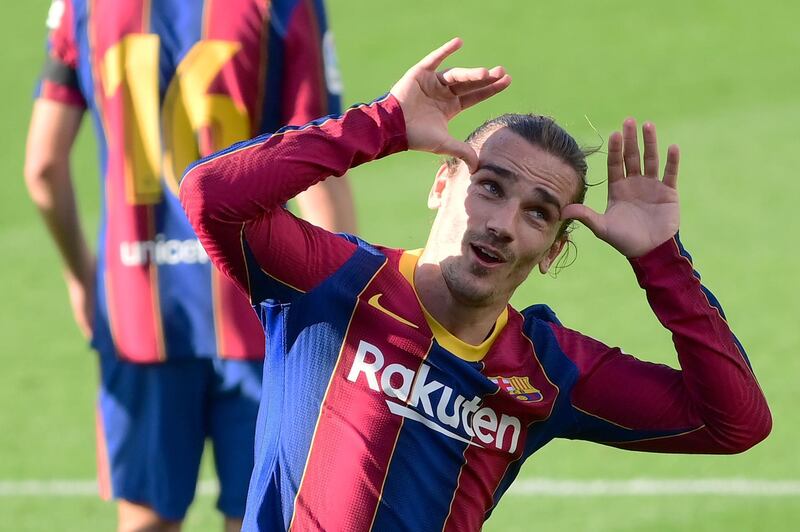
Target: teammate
(180, 349)
(402, 391)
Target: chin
(467, 289)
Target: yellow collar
(461, 349)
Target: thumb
(586, 216)
(462, 150)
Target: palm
(434, 105)
(430, 99)
(642, 210)
(641, 214)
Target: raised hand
(642, 210)
(430, 99)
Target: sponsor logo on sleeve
(55, 14)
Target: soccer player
(402, 391)
(180, 349)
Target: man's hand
(430, 99)
(642, 211)
(82, 300)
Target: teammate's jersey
(169, 81)
(376, 417)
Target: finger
(671, 168)
(479, 95)
(461, 81)
(615, 169)
(460, 89)
(650, 149)
(585, 215)
(462, 150)
(455, 75)
(436, 57)
(630, 148)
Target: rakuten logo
(420, 394)
(162, 251)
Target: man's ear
(552, 254)
(439, 184)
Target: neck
(469, 323)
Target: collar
(460, 348)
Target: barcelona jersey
(374, 416)
(166, 82)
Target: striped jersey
(167, 82)
(374, 416)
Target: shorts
(153, 420)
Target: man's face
(494, 226)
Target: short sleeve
(59, 78)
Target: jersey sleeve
(59, 78)
(235, 198)
(311, 74)
(713, 404)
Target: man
(180, 350)
(402, 391)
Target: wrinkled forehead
(528, 163)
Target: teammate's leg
(132, 517)
(151, 434)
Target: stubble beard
(466, 284)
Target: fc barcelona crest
(519, 387)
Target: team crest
(519, 387)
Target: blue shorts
(153, 420)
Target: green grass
(718, 77)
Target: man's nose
(501, 222)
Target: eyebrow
(500, 171)
(543, 194)
(547, 197)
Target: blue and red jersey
(167, 82)
(374, 416)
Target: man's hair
(545, 133)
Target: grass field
(718, 77)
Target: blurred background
(720, 78)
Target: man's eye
(538, 214)
(492, 188)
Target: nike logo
(373, 302)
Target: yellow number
(132, 64)
(188, 108)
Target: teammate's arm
(52, 131)
(714, 404)
(312, 88)
(55, 121)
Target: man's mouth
(487, 254)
